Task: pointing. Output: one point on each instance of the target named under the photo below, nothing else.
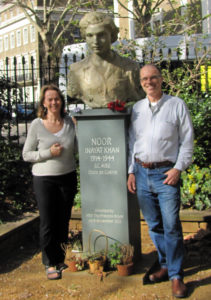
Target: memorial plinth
(106, 204)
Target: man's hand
(173, 175)
(131, 183)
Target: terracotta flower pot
(72, 266)
(125, 270)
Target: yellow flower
(192, 189)
(190, 177)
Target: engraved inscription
(102, 155)
(104, 216)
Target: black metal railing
(24, 80)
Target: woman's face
(52, 102)
(98, 38)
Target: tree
(142, 13)
(177, 19)
(55, 21)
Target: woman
(50, 145)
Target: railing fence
(23, 80)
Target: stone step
(14, 234)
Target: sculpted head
(102, 20)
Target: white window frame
(1, 67)
(26, 66)
(12, 40)
(25, 36)
(12, 73)
(11, 13)
(6, 42)
(18, 38)
(206, 10)
(32, 33)
(157, 17)
(1, 45)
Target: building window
(18, 37)
(19, 68)
(12, 40)
(157, 22)
(26, 67)
(6, 43)
(1, 68)
(12, 76)
(32, 33)
(1, 45)
(25, 36)
(11, 13)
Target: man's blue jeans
(160, 204)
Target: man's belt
(153, 165)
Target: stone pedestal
(106, 204)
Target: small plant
(196, 188)
(96, 262)
(120, 254)
(96, 256)
(79, 262)
(67, 248)
(71, 256)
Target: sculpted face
(98, 38)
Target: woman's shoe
(61, 267)
(52, 273)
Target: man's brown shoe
(159, 276)
(179, 289)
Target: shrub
(196, 188)
(16, 193)
(200, 110)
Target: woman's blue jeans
(160, 205)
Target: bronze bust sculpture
(103, 76)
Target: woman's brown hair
(41, 112)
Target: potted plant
(75, 263)
(74, 260)
(121, 257)
(96, 262)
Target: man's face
(151, 81)
(98, 39)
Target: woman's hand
(56, 149)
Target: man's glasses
(151, 78)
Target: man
(103, 76)
(161, 146)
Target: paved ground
(22, 277)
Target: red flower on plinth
(117, 105)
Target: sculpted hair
(41, 112)
(93, 18)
